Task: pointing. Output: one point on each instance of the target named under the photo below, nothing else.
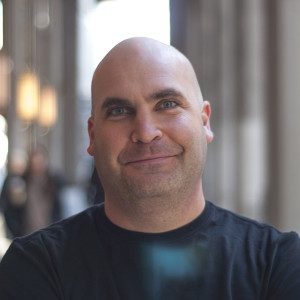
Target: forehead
(142, 75)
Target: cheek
(109, 143)
(186, 128)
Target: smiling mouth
(150, 160)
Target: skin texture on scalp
(144, 49)
(148, 135)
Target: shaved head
(142, 53)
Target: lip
(152, 159)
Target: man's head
(149, 127)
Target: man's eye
(118, 111)
(168, 104)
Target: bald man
(156, 237)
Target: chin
(155, 186)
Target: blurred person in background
(13, 195)
(43, 189)
(155, 236)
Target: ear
(205, 114)
(90, 148)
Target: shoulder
(241, 228)
(272, 255)
(67, 233)
(50, 256)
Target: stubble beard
(164, 190)
(139, 193)
(154, 185)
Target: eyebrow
(115, 101)
(165, 93)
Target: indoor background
(246, 56)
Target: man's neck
(155, 215)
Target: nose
(145, 129)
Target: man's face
(147, 132)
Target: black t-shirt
(219, 255)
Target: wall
(245, 56)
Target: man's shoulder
(55, 258)
(78, 228)
(223, 216)
(271, 256)
(241, 227)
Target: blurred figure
(13, 195)
(43, 192)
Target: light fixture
(28, 97)
(48, 108)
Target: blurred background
(246, 56)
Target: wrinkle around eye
(163, 106)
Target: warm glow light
(48, 108)
(28, 97)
